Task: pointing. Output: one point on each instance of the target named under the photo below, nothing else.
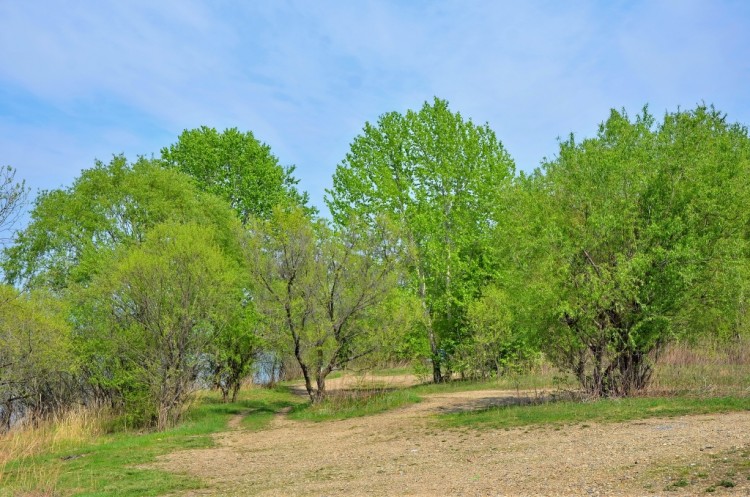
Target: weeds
(709, 472)
(64, 431)
(353, 403)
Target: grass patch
(710, 379)
(710, 472)
(353, 404)
(530, 381)
(397, 371)
(265, 404)
(110, 465)
(601, 411)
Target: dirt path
(402, 453)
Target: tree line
(144, 279)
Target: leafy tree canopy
(642, 225)
(150, 316)
(234, 166)
(443, 179)
(74, 230)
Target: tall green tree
(643, 222)
(234, 166)
(238, 168)
(77, 233)
(443, 180)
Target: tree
(232, 354)
(234, 166)
(443, 180)
(36, 357)
(318, 289)
(241, 170)
(154, 311)
(74, 231)
(642, 225)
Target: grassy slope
(109, 464)
(601, 411)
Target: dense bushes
(144, 279)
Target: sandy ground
(402, 452)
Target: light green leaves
(647, 221)
(443, 180)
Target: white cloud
(304, 76)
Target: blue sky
(81, 80)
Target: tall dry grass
(708, 366)
(20, 474)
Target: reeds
(21, 472)
(707, 367)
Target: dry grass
(28, 440)
(708, 352)
(708, 367)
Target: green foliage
(236, 167)
(152, 312)
(233, 350)
(442, 180)
(36, 359)
(320, 289)
(402, 336)
(118, 245)
(640, 227)
(495, 345)
(74, 231)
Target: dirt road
(403, 453)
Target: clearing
(406, 452)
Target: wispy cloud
(84, 79)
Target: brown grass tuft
(27, 440)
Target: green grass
(602, 411)
(265, 404)
(110, 465)
(354, 404)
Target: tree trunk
(235, 391)
(321, 381)
(437, 376)
(303, 367)
(308, 382)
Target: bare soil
(403, 453)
